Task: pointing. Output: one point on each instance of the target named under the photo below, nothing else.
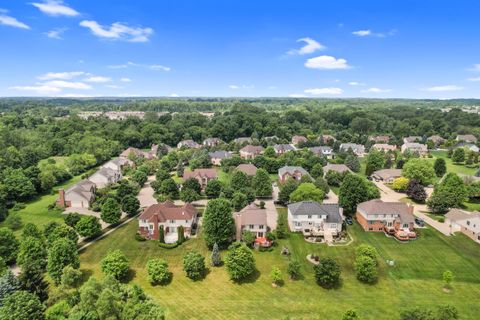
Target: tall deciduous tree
(375, 161)
(307, 192)
(262, 184)
(9, 245)
(62, 253)
(218, 224)
(115, 264)
(239, 261)
(420, 170)
(22, 305)
(440, 167)
(111, 211)
(352, 191)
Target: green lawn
(36, 210)
(451, 167)
(414, 280)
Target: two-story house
(467, 223)
(189, 144)
(415, 147)
(168, 216)
(282, 148)
(216, 157)
(322, 151)
(251, 218)
(294, 172)
(202, 176)
(358, 149)
(250, 152)
(315, 219)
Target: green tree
(367, 251)
(194, 265)
(9, 245)
(189, 195)
(454, 186)
(327, 273)
(317, 171)
(447, 312)
(161, 234)
(61, 253)
(3, 267)
(322, 184)
(239, 261)
(286, 190)
(248, 237)
(31, 230)
(192, 184)
(8, 285)
(352, 163)
(276, 275)
(162, 175)
(447, 278)
(71, 277)
(366, 269)
(115, 264)
(169, 187)
(32, 279)
(239, 201)
(218, 224)
(17, 185)
(130, 205)
(22, 305)
(180, 169)
(262, 184)
(458, 155)
(293, 269)
(334, 178)
(32, 249)
(57, 231)
(111, 211)
(71, 219)
(307, 192)
(181, 235)
(375, 161)
(88, 227)
(420, 170)
(140, 177)
(239, 180)
(213, 189)
(352, 192)
(216, 260)
(157, 270)
(350, 315)
(440, 167)
(416, 191)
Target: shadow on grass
(86, 274)
(250, 279)
(130, 275)
(164, 283)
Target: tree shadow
(130, 275)
(164, 283)
(250, 279)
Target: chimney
(155, 227)
(61, 198)
(410, 209)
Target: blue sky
(405, 49)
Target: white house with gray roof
(282, 148)
(358, 149)
(322, 151)
(315, 219)
(105, 176)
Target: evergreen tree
(440, 167)
(181, 235)
(216, 259)
(161, 234)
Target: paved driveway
(146, 194)
(387, 194)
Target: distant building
(251, 218)
(469, 138)
(216, 157)
(105, 177)
(326, 138)
(380, 139)
(203, 176)
(138, 153)
(387, 175)
(242, 140)
(383, 147)
(296, 140)
(189, 144)
(282, 148)
(294, 172)
(80, 195)
(212, 142)
(470, 146)
(247, 168)
(412, 139)
(358, 149)
(467, 223)
(169, 217)
(340, 168)
(250, 152)
(414, 147)
(436, 139)
(322, 151)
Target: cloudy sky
(406, 49)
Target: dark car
(349, 220)
(419, 222)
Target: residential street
(388, 194)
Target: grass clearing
(451, 167)
(414, 280)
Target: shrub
(194, 265)
(88, 226)
(327, 273)
(115, 264)
(293, 269)
(366, 269)
(239, 261)
(216, 259)
(157, 270)
(13, 222)
(366, 250)
(71, 219)
(139, 237)
(400, 184)
(276, 275)
(168, 245)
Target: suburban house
(282, 148)
(393, 218)
(189, 144)
(291, 172)
(247, 168)
(315, 219)
(436, 139)
(297, 139)
(250, 152)
(387, 175)
(80, 195)
(118, 164)
(138, 153)
(212, 142)
(105, 177)
(340, 168)
(383, 147)
(469, 138)
(467, 223)
(470, 146)
(411, 139)
(202, 175)
(326, 138)
(415, 147)
(379, 139)
(358, 149)
(322, 151)
(242, 140)
(217, 156)
(251, 218)
(169, 217)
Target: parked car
(419, 222)
(349, 220)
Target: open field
(414, 280)
(36, 210)
(451, 167)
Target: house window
(405, 225)
(309, 217)
(251, 226)
(468, 223)
(297, 224)
(370, 229)
(186, 221)
(260, 226)
(333, 225)
(172, 221)
(150, 227)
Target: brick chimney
(410, 209)
(61, 198)
(155, 227)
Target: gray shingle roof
(331, 210)
(291, 170)
(220, 154)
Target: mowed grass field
(415, 280)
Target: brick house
(169, 217)
(251, 218)
(202, 175)
(247, 168)
(294, 172)
(250, 152)
(217, 157)
(282, 148)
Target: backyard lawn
(36, 210)
(414, 280)
(451, 167)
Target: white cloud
(56, 33)
(376, 90)
(97, 79)
(362, 33)
(321, 91)
(234, 87)
(125, 79)
(174, 95)
(272, 88)
(56, 8)
(61, 75)
(326, 62)
(7, 20)
(159, 67)
(41, 89)
(243, 86)
(113, 86)
(355, 83)
(118, 31)
(297, 95)
(68, 85)
(476, 68)
(474, 79)
(310, 46)
(450, 87)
